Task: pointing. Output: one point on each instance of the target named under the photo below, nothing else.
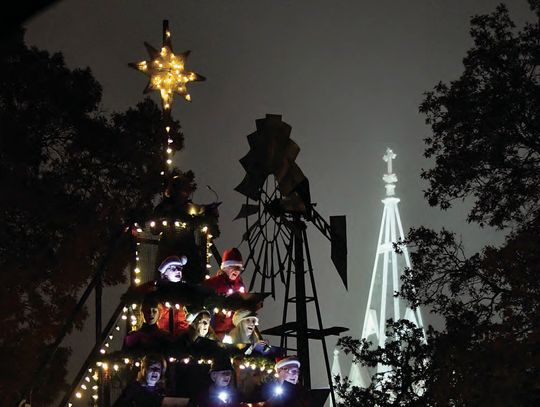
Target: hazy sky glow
(348, 76)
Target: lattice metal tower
(385, 279)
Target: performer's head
(288, 369)
(221, 372)
(152, 370)
(201, 323)
(171, 268)
(246, 321)
(150, 310)
(231, 263)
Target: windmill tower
(385, 278)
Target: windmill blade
(291, 179)
(250, 187)
(247, 210)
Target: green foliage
(406, 356)
(486, 148)
(485, 125)
(71, 177)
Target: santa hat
(232, 257)
(286, 361)
(172, 261)
(243, 314)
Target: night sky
(348, 76)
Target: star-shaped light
(166, 71)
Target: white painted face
(248, 325)
(232, 272)
(152, 374)
(289, 373)
(203, 325)
(221, 378)
(150, 314)
(173, 273)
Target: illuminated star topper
(167, 70)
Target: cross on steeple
(390, 178)
(388, 157)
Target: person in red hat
(285, 390)
(171, 271)
(227, 281)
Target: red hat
(287, 360)
(172, 261)
(232, 257)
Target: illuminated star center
(167, 74)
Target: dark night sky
(347, 75)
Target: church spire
(387, 269)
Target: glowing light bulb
(78, 395)
(223, 396)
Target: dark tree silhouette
(486, 146)
(71, 176)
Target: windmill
(277, 212)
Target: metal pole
(99, 329)
(302, 340)
(319, 320)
